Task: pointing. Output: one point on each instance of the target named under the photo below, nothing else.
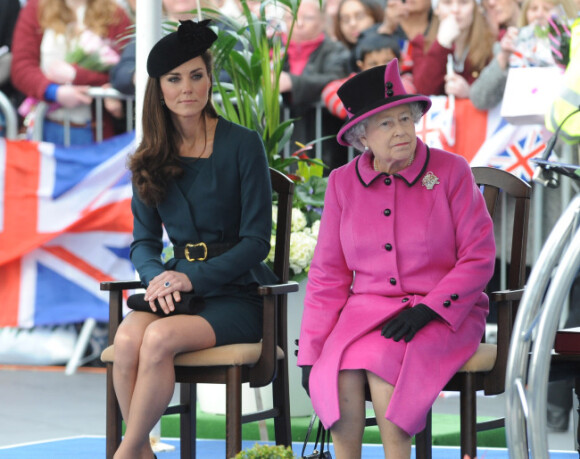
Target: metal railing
(98, 94)
(535, 327)
(10, 116)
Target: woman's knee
(156, 345)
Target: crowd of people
(373, 65)
(447, 47)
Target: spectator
(487, 91)
(371, 50)
(47, 32)
(9, 10)
(501, 14)
(352, 18)
(459, 34)
(404, 20)
(314, 60)
(123, 74)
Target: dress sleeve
(147, 242)
(329, 281)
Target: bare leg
(128, 341)
(396, 442)
(348, 431)
(155, 381)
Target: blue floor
(94, 448)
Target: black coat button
(389, 247)
(454, 297)
(447, 303)
(404, 300)
(387, 181)
(393, 281)
(387, 212)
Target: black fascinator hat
(190, 40)
(372, 91)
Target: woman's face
(539, 11)
(390, 135)
(502, 12)
(461, 9)
(353, 18)
(309, 22)
(185, 89)
(180, 9)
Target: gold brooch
(430, 180)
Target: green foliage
(266, 452)
(253, 55)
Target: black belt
(201, 251)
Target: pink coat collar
(411, 175)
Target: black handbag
(322, 438)
(189, 304)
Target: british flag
(483, 138)
(65, 225)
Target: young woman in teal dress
(206, 181)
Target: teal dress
(224, 198)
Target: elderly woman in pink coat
(394, 297)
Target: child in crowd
(371, 50)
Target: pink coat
(387, 243)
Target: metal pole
(147, 32)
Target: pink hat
(373, 91)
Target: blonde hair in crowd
(569, 7)
(480, 41)
(56, 15)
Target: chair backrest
(275, 318)
(494, 184)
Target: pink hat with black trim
(373, 91)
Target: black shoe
(558, 419)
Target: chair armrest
(506, 295)
(278, 289)
(115, 286)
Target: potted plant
(266, 452)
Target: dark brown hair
(156, 160)
(374, 8)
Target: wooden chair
(259, 364)
(486, 370)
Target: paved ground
(43, 403)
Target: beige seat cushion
(231, 354)
(483, 359)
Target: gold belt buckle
(191, 246)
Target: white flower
(298, 220)
(302, 246)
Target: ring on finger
(167, 284)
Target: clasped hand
(408, 322)
(166, 288)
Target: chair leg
(424, 439)
(468, 415)
(233, 411)
(114, 421)
(188, 420)
(281, 397)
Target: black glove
(408, 322)
(306, 377)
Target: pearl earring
(366, 148)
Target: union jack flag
(65, 225)
(515, 158)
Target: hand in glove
(306, 378)
(408, 322)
